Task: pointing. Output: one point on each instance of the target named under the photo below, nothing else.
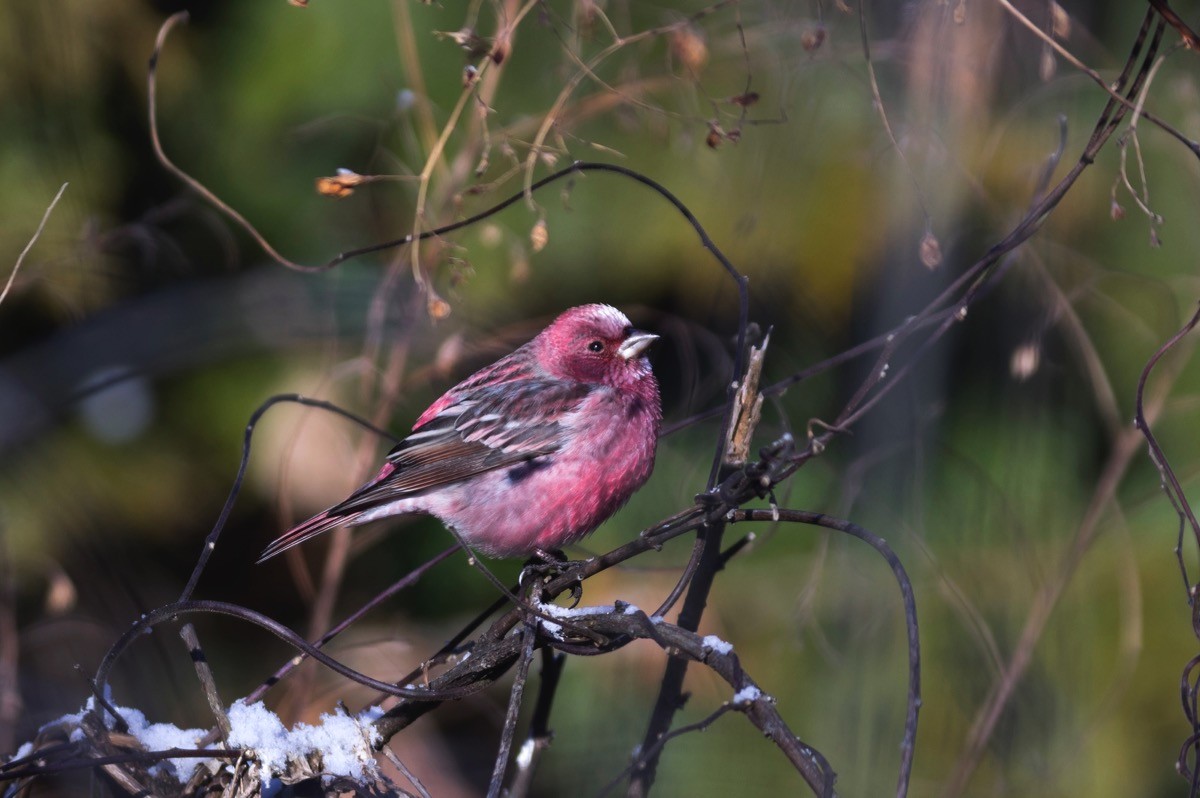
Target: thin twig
(207, 683)
(168, 612)
(36, 234)
(404, 582)
(1113, 93)
(738, 428)
(1170, 482)
(408, 774)
(656, 748)
(210, 542)
(877, 98)
(539, 724)
(513, 714)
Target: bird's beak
(637, 343)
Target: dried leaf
(930, 250)
(539, 236)
(747, 411)
(715, 136)
(340, 185)
(298, 3)
(61, 594)
(812, 38)
(745, 100)
(689, 48)
(438, 308)
(1060, 21)
(1116, 210)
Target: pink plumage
(528, 454)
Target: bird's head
(597, 344)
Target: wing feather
(496, 427)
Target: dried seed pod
(930, 250)
(438, 308)
(813, 37)
(715, 135)
(340, 185)
(539, 236)
(1060, 21)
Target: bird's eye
(596, 346)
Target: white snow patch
(553, 629)
(344, 742)
(747, 694)
(163, 737)
(152, 736)
(372, 714)
(555, 611)
(714, 643)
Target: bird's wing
(484, 429)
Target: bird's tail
(322, 522)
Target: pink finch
(528, 454)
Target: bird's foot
(546, 564)
(550, 556)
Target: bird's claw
(546, 564)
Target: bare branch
(36, 235)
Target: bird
(527, 455)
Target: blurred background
(144, 327)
